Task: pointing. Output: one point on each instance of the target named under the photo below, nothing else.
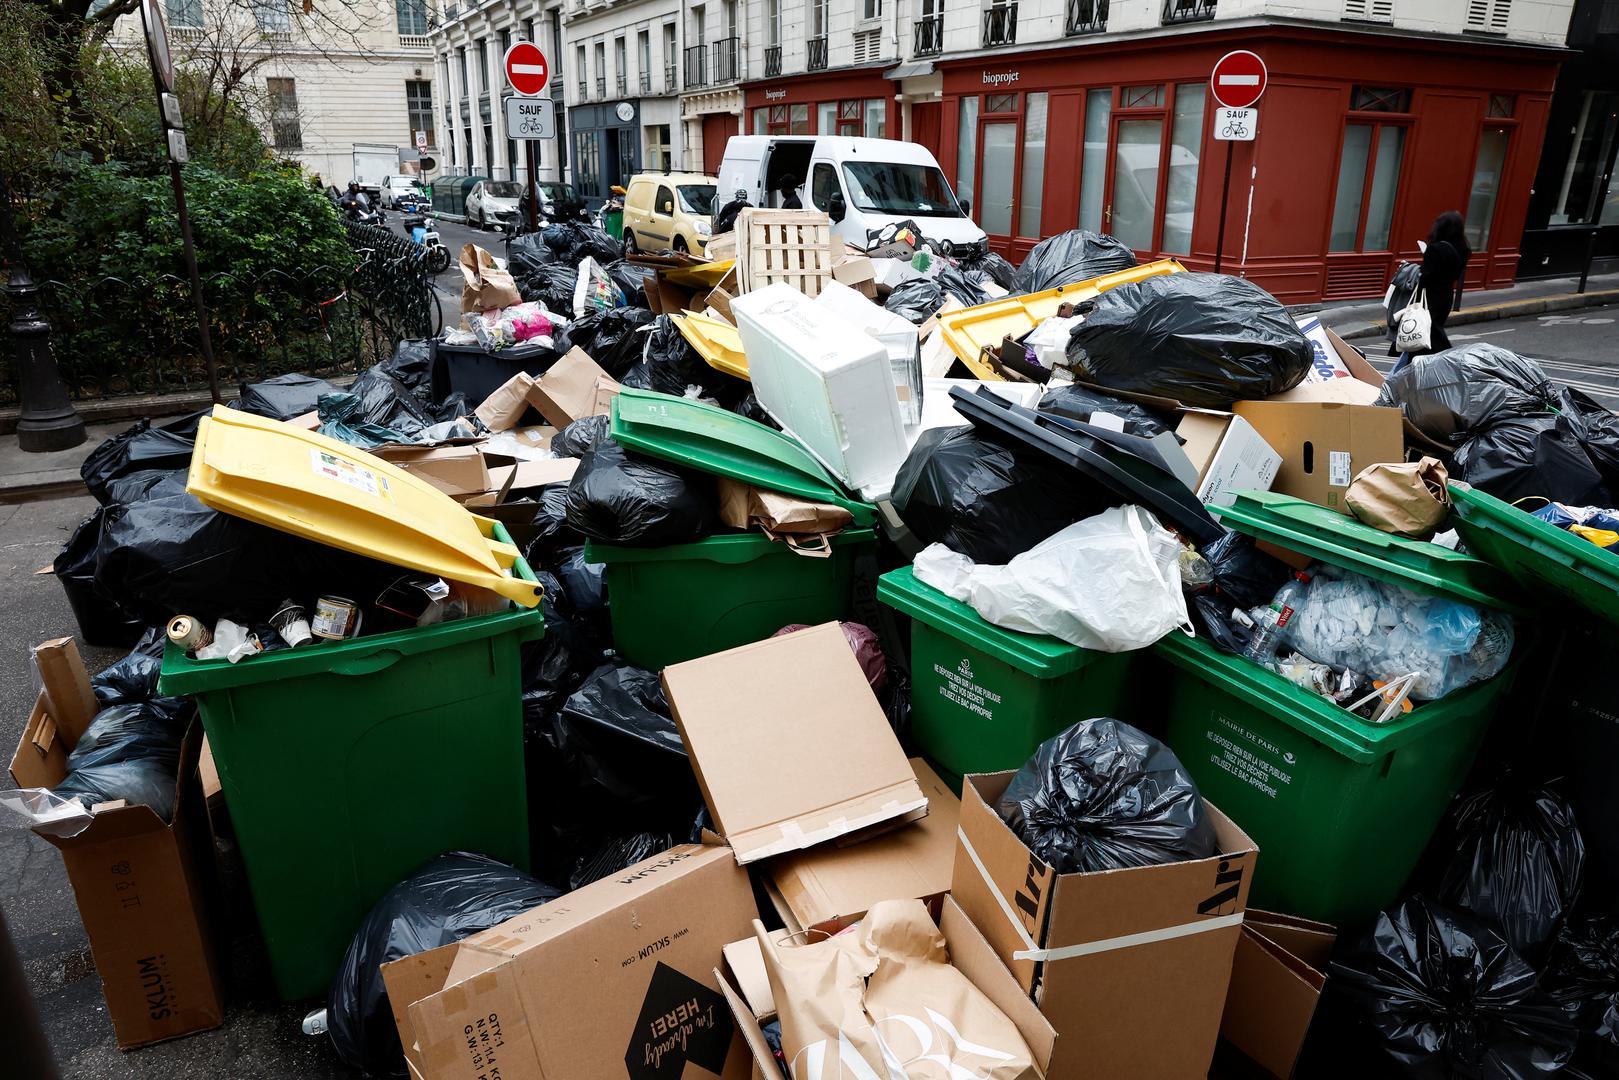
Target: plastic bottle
(1262, 647)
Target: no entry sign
(1238, 80)
(526, 68)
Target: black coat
(1443, 265)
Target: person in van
(1444, 263)
(787, 188)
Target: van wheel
(680, 245)
(630, 246)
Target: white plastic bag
(1110, 583)
(1413, 325)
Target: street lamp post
(48, 420)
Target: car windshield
(886, 187)
(503, 189)
(557, 192)
(696, 198)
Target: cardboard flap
(975, 958)
(1270, 1002)
(748, 1025)
(997, 878)
(70, 699)
(747, 965)
(742, 709)
(1309, 941)
(41, 756)
(411, 979)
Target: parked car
(668, 211)
(863, 184)
(559, 202)
(492, 204)
(400, 186)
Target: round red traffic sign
(1238, 79)
(526, 68)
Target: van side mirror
(966, 206)
(836, 208)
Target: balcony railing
(623, 84)
(1185, 11)
(1086, 17)
(1000, 25)
(646, 82)
(929, 36)
(584, 90)
(601, 86)
(406, 41)
(817, 54)
(725, 60)
(772, 61)
(670, 82)
(696, 66)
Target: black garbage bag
(1205, 340)
(125, 732)
(621, 498)
(555, 665)
(284, 397)
(411, 366)
(146, 779)
(341, 419)
(572, 241)
(1582, 977)
(1531, 455)
(987, 500)
(390, 402)
(526, 253)
(983, 262)
(100, 619)
(1244, 575)
(452, 897)
(1452, 394)
(1105, 796)
(581, 436)
(630, 278)
(139, 449)
(1517, 863)
(671, 366)
(1212, 614)
(1077, 402)
(1447, 997)
(133, 681)
(551, 285)
(612, 336)
(617, 854)
(1074, 256)
(1596, 428)
(916, 300)
(549, 528)
(609, 763)
(749, 407)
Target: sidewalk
(1366, 318)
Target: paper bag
(485, 285)
(884, 996)
(804, 525)
(502, 409)
(1403, 498)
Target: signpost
(528, 115)
(1237, 83)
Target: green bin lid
(1538, 554)
(714, 440)
(1335, 538)
(1034, 654)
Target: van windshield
(696, 198)
(886, 187)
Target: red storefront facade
(844, 101)
(1362, 139)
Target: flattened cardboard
(143, 888)
(533, 474)
(1228, 454)
(614, 979)
(1276, 982)
(1139, 983)
(568, 390)
(1325, 444)
(454, 470)
(504, 408)
(837, 884)
(741, 710)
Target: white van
(864, 184)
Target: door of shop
(717, 130)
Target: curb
(112, 410)
(69, 485)
(1510, 309)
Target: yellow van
(664, 211)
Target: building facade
(714, 65)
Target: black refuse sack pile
(1071, 257)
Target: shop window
(1368, 180)
(1379, 99)
(876, 118)
(1093, 159)
(1590, 157)
(967, 148)
(1031, 198)
(1185, 150)
(798, 120)
(1142, 97)
(1136, 153)
(1492, 156)
(823, 186)
(586, 162)
(1001, 103)
(826, 118)
(1502, 106)
(995, 194)
(761, 121)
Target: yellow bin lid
(715, 340)
(307, 484)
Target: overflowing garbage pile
(727, 659)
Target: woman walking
(1444, 262)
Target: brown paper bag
(1404, 498)
(804, 525)
(885, 997)
(484, 285)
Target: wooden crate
(789, 246)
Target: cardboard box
(455, 470)
(854, 269)
(1276, 983)
(1228, 455)
(1324, 444)
(574, 387)
(614, 979)
(1361, 389)
(144, 886)
(970, 954)
(1130, 966)
(744, 715)
(505, 407)
(831, 884)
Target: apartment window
(185, 14)
(1185, 148)
(669, 51)
(466, 88)
(876, 118)
(528, 31)
(1590, 157)
(1368, 180)
(601, 69)
(730, 18)
(505, 43)
(872, 9)
(643, 56)
(621, 65)
(412, 17)
(1034, 166)
(419, 108)
(772, 22)
(1142, 97)
(272, 17)
(1093, 158)
(699, 23)
(483, 65)
(283, 99)
(818, 18)
(1379, 99)
(580, 67)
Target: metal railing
(601, 86)
(929, 39)
(646, 82)
(1000, 25)
(671, 81)
(816, 60)
(623, 84)
(772, 61)
(1185, 11)
(584, 90)
(1086, 17)
(726, 51)
(696, 66)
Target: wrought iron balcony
(1000, 25)
(725, 60)
(929, 39)
(601, 86)
(1185, 11)
(623, 84)
(817, 54)
(646, 82)
(671, 82)
(696, 66)
(772, 61)
(1086, 17)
